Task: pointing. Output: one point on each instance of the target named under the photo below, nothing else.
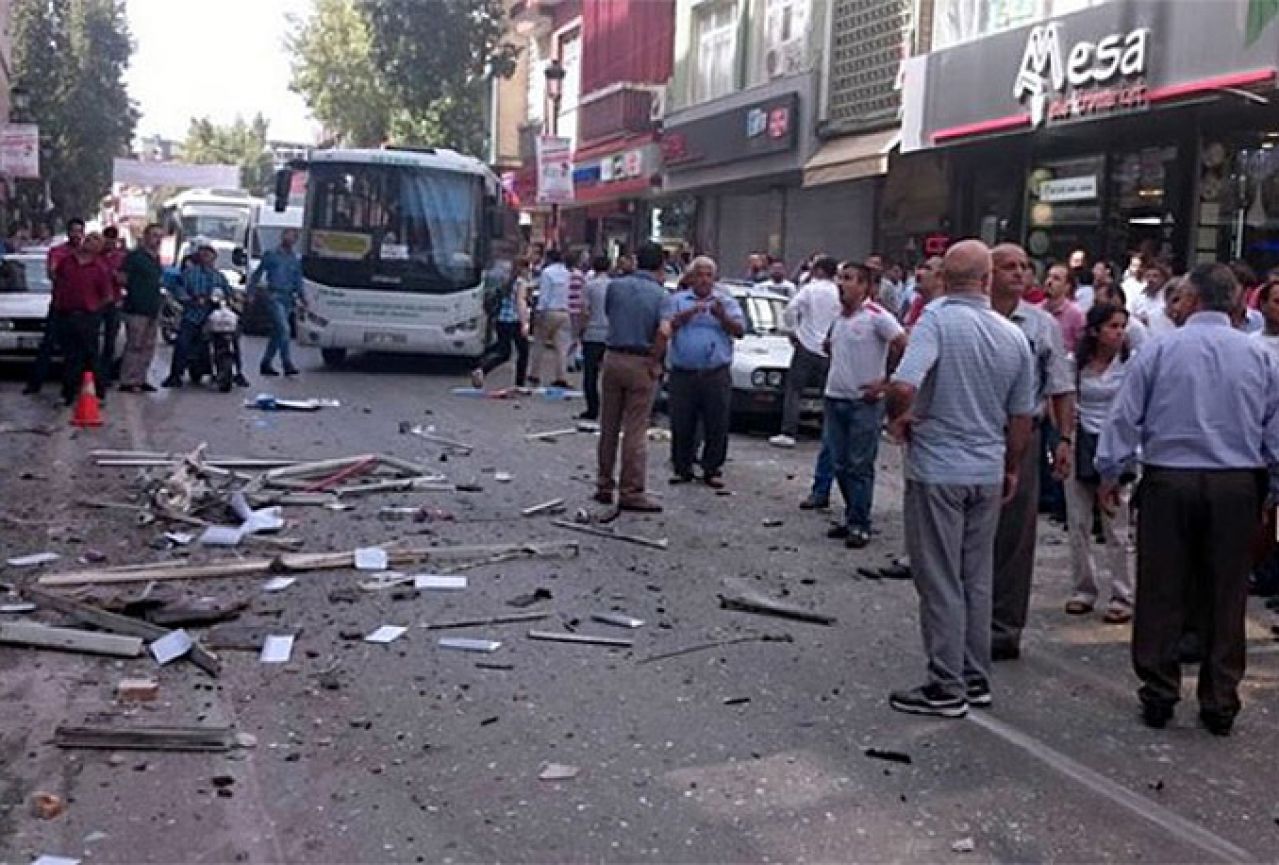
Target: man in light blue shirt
(962, 399)
(1202, 404)
(283, 270)
(703, 319)
(552, 322)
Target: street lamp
(554, 73)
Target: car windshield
(215, 226)
(393, 227)
(764, 314)
(24, 275)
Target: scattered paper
(620, 619)
(338, 506)
(32, 560)
(171, 646)
(17, 608)
(371, 559)
(277, 649)
(503, 477)
(221, 536)
(251, 521)
(278, 584)
(558, 772)
(46, 859)
(426, 582)
(468, 644)
(386, 634)
(179, 538)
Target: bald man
(961, 400)
(1055, 415)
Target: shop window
(782, 48)
(1239, 200)
(1064, 206)
(956, 21)
(715, 72)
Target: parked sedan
(761, 358)
(24, 306)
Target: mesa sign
(1065, 86)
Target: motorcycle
(215, 354)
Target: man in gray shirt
(961, 400)
(594, 334)
(632, 368)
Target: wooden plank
(583, 639)
(597, 531)
(741, 597)
(69, 639)
(145, 738)
(88, 614)
(507, 619)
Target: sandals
(1076, 607)
(1117, 614)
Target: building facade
(1113, 126)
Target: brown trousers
(626, 399)
(1194, 536)
(139, 348)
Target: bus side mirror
(239, 257)
(283, 186)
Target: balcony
(615, 112)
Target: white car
(761, 358)
(24, 307)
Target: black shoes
(1217, 723)
(1004, 652)
(929, 700)
(838, 532)
(268, 371)
(1155, 715)
(812, 503)
(715, 482)
(681, 478)
(978, 693)
(857, 539)
(240, 381)
(290, 369)
(171, 381)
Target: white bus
(398, 247)
(220, 216)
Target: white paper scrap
(180, 538)
(386, 634)
(171, 646)
(371, 559)
(47, 859)
(222, 536)
(469, 644)
(32, 560)
(277, 649)
(438, 582)
(278, 584)
(20, 607)
(503, 477)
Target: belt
(637, 351)
(703, 373)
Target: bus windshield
(392, 227)
(227, 225)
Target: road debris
(737, 701)
(619, 619)
(889, 755)
(47, 806)
(963, 845)
(17, 608)
(32, 560)
(50, 859)
(429, 435)
(552, 506)
(438, 582)
(278, 584)
(528, 599)
(718, 644)
(371, 559)
(551, 435)
(137, 690)
(488, 665)
(145, 738)
(36, 635)
(741, 597)
(503, 477)
(469, 644)
(512, 619)
(171, 646)
(385, 634)
(584, 639)
(558, 772)
(268, 402)
(601, 532)
(277, 649)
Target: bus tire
(333, 356)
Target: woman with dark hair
(1101, 361)
(511, 327)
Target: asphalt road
(750, 752)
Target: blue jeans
(823, 473)
(850, 430)
(279, 341)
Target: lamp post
(554, 73)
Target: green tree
(438, 59)
(70, 56)
(242, 143)
(333, 72)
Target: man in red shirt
(52, 325)
(112, 258)
(82, 289)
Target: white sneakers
(782, 441)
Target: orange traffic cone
(88, 412)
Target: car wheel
(333, 357)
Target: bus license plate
(379, 338)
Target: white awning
(853, 157)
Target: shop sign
(758, 129)
(554, 170)
(1105, 77)
(621, 166)
(1065, 189)
(20, 150)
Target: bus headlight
(466, 326)
(759, 378)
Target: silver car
(24, 306)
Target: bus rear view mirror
(283, 187)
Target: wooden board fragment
(40, 636)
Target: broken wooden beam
(36, 635)
(599, 532)
(740, 597)
(145, 738)
(508, 619)
(583, 639)
(534, 510)
(88, 614)
(550, 434)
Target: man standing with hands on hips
(283, 269)
(704, 320)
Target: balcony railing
(624, 111)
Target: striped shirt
(973, 370)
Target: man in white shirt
(865, 344)
(553, 323)
(777, 280)
(808, 318)
(1149, 296)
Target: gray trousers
(950, 535)
(1015, 551)
(806, 370)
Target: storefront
(611, 186)
(742, 160)
(1135, 125)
